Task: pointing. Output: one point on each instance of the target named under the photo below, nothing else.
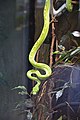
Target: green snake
(35, 74)
(38, 76)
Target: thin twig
(52, 44)
(47, 118)
(51, 50)
(70, 107)
(75, 2)
(57, 56)
(37, 55)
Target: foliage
(25, 105)
(23, 88)
(60, 118)
(68, 56)
(20, 87)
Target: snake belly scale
(34, 50)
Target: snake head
(69, 5)
(35, 90)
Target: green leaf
(25, 103)
(56, 52)
(76, 51)
(23, 93)
(60, 118)
(19, 87)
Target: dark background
(14, 48)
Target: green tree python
(35, 74)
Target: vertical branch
(57, 56)
(53, 36)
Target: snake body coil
(33, 52)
